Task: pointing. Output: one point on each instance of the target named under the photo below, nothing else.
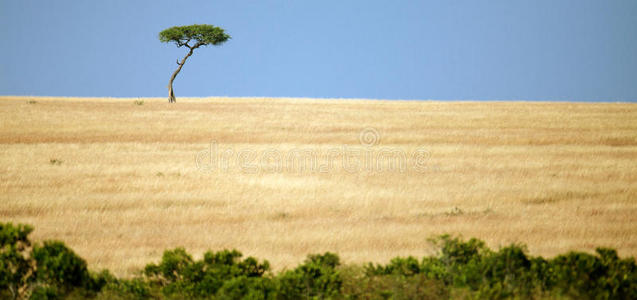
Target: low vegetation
(55, 161)
(461, 269)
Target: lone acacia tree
(191, 37)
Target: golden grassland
(119, 182)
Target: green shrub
(317, 277)
(44, 293)
(60, 266)
(505, 274)
(179, 274)
(171, 267)
(46, 271)
(136, 288)
(243, 287)
(584, 275)
(397, 266)
(366, 283)
(472, 270)
(55, 161)
(60, 271)
(455, 251)
(16, 267)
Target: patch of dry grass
(555, 176)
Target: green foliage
(16, 271)
(511, 273)
(178, 273)
(44, 292)
(455, 251)
(43, 271)
(393, 281)
(136, 288)
(60, 266)
(503, 274)
(585, 275)
(198, 35)
(461, 269)
(243, 287)
(59, 271)
(139, 102)
(397, 266)
(317, 277)
(172, 265)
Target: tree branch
(197, 45)
(181, 44)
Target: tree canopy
(193, 36)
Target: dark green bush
(16, 270)
(59, 266)
(136, 288)
(243, 287)
(372, 283)
(584, 275)
(45, 293)
(317, 277)
(505, 274)
(46, 271)
(510, 273)
(454, 251)
(397, 266)
(171, 268)
(179, 274)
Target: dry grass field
(120, 182)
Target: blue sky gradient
(577, 50)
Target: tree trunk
(171, 92)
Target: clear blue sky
(497, 49)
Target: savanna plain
(122, 180)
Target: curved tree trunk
(171, 92)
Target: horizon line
(326, 98)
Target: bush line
(460, 269)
